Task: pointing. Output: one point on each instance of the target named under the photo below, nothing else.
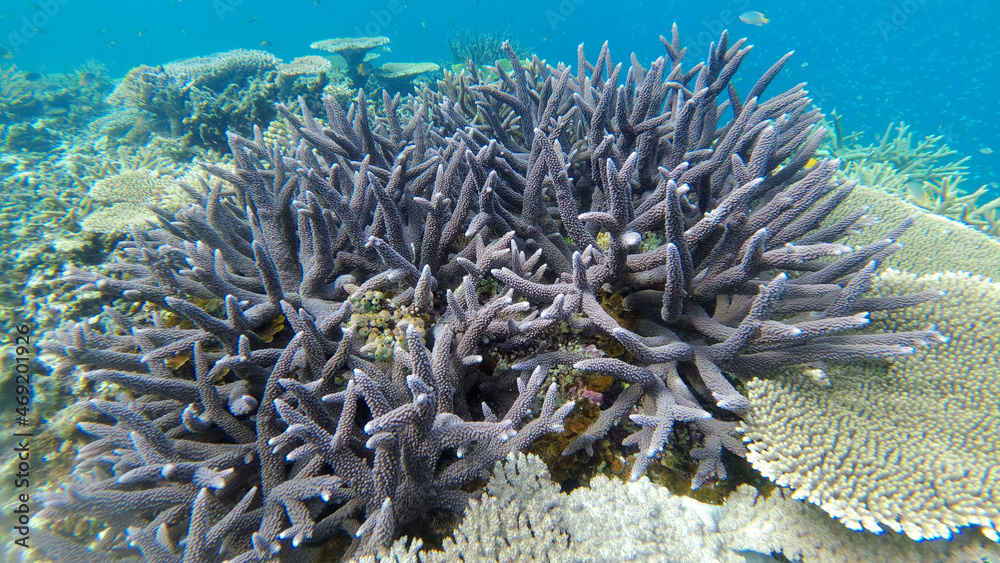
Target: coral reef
(483, 47)
(35, 112)
(299, 66)
(799, 531)
(397, 77)
(522, 516)
(198, 100)
(927, 475)
(128, 197)
(238, 415)
(356, 51)
(920, 161)
(923, 173)
(359, 55)
(934, 243)
(16, 99)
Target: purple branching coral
(260, 449)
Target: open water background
(931, 63)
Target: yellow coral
(604, 240)
(381, 324)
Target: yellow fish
(265, 43)
(753, 17)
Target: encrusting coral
(934, 243)
(223, 436)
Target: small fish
(32, 76)
(423, 23)
(316, 2)
(101, 32)
(7, 55)
(112, 44)
(986, 150)
(88, 79)
(265, 43)
(916, 192)
(812, 162)
(252, 19)
(365, 68)
(753, 17)
(141, 32)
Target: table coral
(126, 199)
(934, 244)
(911, 445)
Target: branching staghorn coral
(198, 100)
(920, 173)
(223, 437)
(16, 97)
(920, 161)
(482, 47)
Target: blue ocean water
(929, 63)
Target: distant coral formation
(480, 47)
(923, 172)
(127, 198)
(199, 99)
